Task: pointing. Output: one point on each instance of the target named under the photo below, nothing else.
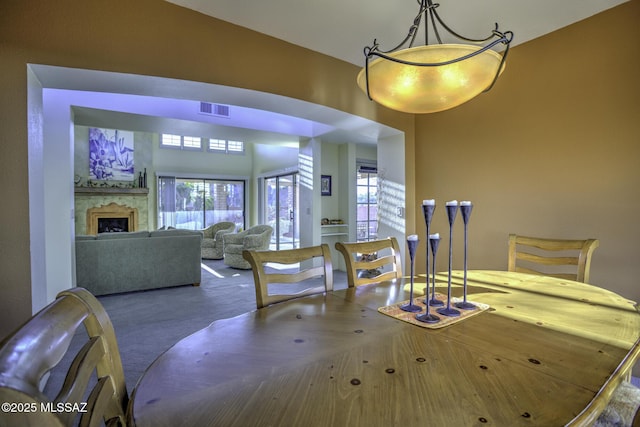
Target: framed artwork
(110, 154)
(325, 185)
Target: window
(235, 146)
(218, 145)
(367, 203)
(196, 203)
(171, 140)
(195, 143)
(181, 142)
(191, 142)
(223, 146)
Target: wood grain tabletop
(548, 352)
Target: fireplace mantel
(95, 197)
(101, 191)
(112, 210)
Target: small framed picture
(325, 185)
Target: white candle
(452, 203)
(434, 236)
(413, 237)
(429, 202)
(465, 203)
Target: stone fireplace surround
(94, 203)
(111, 211)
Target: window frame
(191, 147)
(170, 146)
(224, 146)
(227, 144)
(168, 210)
(368, 170)
(182, 145)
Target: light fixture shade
(429, 89)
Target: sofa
(257, 238)
(110, 263)
(212, 244)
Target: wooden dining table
(546, 352)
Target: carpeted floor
(148, 323)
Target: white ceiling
(342, 28)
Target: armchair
(212, 243)
(256, 238)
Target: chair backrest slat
(80, 371)
(302, 256)
(99, 402)
(296, 277)
(525, 256)
(580, 251)
(388, 254)
(40, 345)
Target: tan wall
(149, 37)
(552, 150)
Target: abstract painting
(110, 154)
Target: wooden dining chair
(286, 269)
(39, 345)
(566, 259)
(365, 261)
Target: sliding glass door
(281, 210)
(194, 203)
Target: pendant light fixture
(432, 78)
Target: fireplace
(113, 225)
(111, 218)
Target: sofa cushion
(129, 235)
(174, 232)
(85, 237)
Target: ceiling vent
(210, 109)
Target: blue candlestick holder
(452, 211)
(428, 317)
(412, 243)
(428, 210)
(465, 210)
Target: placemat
(396, 312)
